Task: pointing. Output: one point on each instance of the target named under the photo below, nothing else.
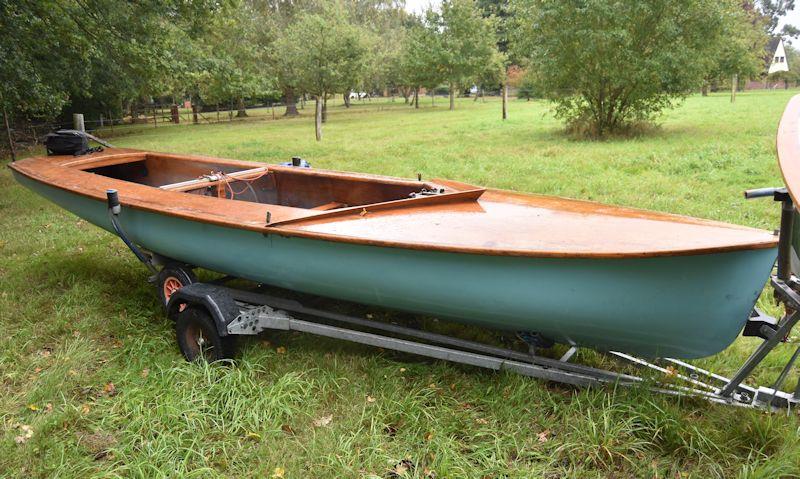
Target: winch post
(785, 237)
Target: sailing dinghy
(576, 272)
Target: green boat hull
(679, 306)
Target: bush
(611, 65)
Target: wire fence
(26, 134)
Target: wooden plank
(202, 182)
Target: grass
(90, 372)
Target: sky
(792, 17)
(418, 6)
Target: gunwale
(788, 146)
(67, 173)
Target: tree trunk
(452, 96)
(416, 98)
(324, 108)
(8, 133)
(318, 117)
(346, 98)
(194, 113)
(505, 99)
(242, 109)
(291, 102)
(704, 90)
(734, 86)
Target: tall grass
(88, 359)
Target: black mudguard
(215, 299)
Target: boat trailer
(209, 316)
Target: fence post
(77, 122)
(155, 120)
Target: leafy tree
(327, 51)
(608, 65)
(466, 42)
(774, 11)
(741, 53)
(420, 59)
(232, 66)
(100, 54)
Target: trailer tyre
(173, 277)
(198, 337)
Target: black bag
(68, 142)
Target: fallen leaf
(85, 409)
(481, 420)
(428, 437)
(402, 370)
(401, 468)
(370, 399)
(145, 373)
(453, 387)
(33, 407)
(37, 370)
(280, 350)
(543, 436)
(110, 389)
(45, 353)
(363, 212)
(26, 433)
(323, 421)
(252, 436)
(287, 429)
(48, 407)
(670, 371)
(278, 473)
(73, 372)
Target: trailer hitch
(114, 209)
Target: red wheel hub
(171, 285)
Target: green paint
(685, 306)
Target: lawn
(94, 386)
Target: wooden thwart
(214, 179)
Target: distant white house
(779, 62)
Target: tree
(774, 11)
(326, 51)
(232, 61)
(98, 54)
(609, 65)
(741, 53)
(420, 59)
(466, 42)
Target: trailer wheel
(198, 337)
(173, 277)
